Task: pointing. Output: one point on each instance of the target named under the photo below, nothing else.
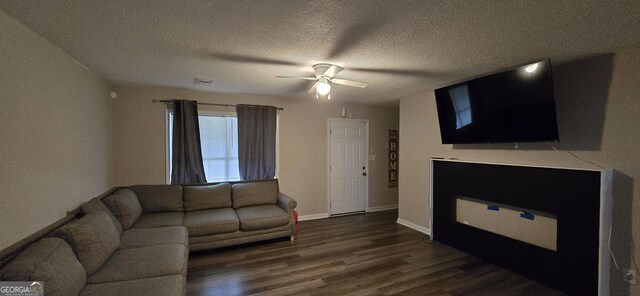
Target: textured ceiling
(399, 47)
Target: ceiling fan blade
(355, 35)
(297, 77)
(251, 59)
(349, 82)
(313, 88)
(333, 71)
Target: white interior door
(347, 166)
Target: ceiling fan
(325, 74)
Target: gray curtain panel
(257, 141)
(186, 160)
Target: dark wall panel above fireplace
(573, 196)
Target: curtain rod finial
(155, 100)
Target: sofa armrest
(286, 203)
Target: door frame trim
(366, 145)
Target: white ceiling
(399, 47)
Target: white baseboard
(326, 215)
(414, 226)
(313, 217)
(383, 208)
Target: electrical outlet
(629, 276)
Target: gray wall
(598, 104)
(55, 131)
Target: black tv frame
(549, 116)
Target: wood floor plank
(368, 254)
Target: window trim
(167, 146)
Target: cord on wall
(615, 262)
(430, 211)
(430, 196)
(613, 256)
(578, 158)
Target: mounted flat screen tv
(508, 107)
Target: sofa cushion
(96, 205)
(254, 193)
(169, 285)
(159, 198)
(125, 207)
(51, 261)
(93, 238)
(207, 197)
(261, 217)
(126, 192)
(153, 220)
(144, 262)
(144, 237)
(212, 221)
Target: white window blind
(219, 143)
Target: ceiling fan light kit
(328, 96)
(323, 88)
(324, 77)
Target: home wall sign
(393, 158)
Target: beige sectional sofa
(217, 215)
(89, 257)
(136, 240)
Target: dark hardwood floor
(368, 254)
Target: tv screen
(508, 107)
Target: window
(219, 143)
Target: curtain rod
(209, 104)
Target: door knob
(364, 173)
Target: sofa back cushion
(125, 207)
(95, 205)
(51, 261)
(198, 198)
(254, 193)
(93, 238)
(159, 198)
